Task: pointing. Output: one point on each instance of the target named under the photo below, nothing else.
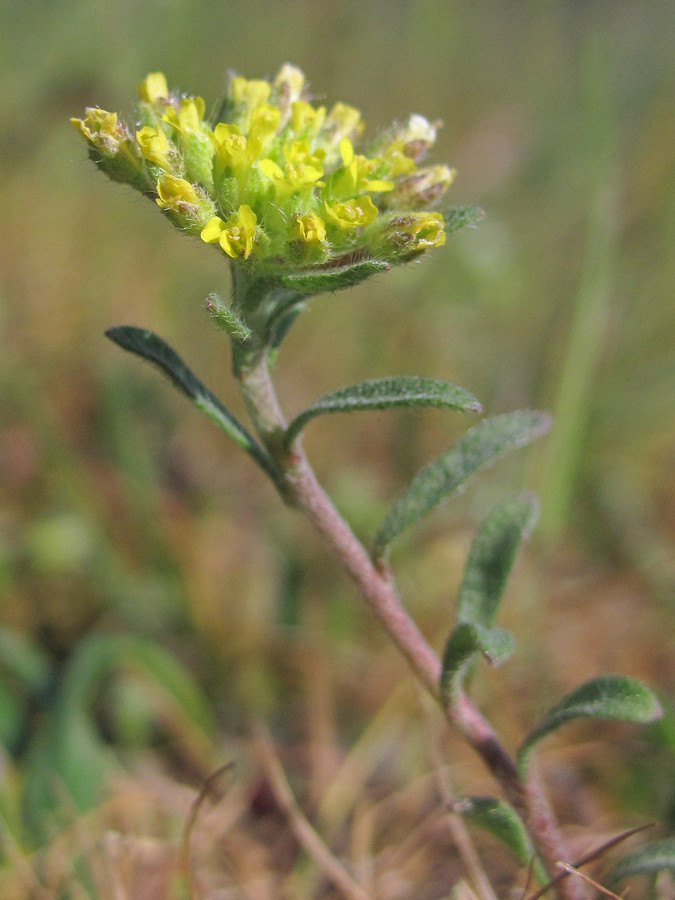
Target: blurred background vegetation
(156, 600)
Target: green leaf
(491, 558)
(502, 822)
(605, 697)
(441, 478)
(24, 660)
(648, 860)
(461, 216)
(69, 749)
(383, 393)
(151, 347)
(465, 641)
(333, 278)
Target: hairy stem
(301, 490)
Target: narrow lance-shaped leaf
(652, 858)
(384, 393)
(465, 641)
(150, 346)
(491, 558)
(605, 697)
(483, 444)
(502, 822)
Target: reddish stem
(301, 490)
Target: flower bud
(406, 237)
(422, 188)
(188, 207)
(112, 147)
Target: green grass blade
(605, 697)
(652, 858)
(443, 476)
(384, 393)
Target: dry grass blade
(300, 825)
(465, 846)
(589, 857)
(572, 871)
(207, 790)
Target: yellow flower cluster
(275, 181)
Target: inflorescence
(274, 180)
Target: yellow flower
(187, 207)
(413, 234)
(251, 92)
(352, 213)
(174, 191)
(291, 80)
(153, 88)
(428, 230)
(100, 128)
(302, 168)
(342, 121)
(235, 236)
(190, 115)
(264, 121)
(232, 151)
(305, 118)
(310, 228)
(353, 177)
(156, 147)
(288, 87)
(421, 188)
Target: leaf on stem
(503, 823)
(442, 477)
(384, 393)
(462, 216)
(333, 278)
(227, 317)
(466, 640)
(491, 557)
(652, 858)
(604, 697)
(151, 347)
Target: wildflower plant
(298, 205)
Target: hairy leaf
(651, 858)
(227, 317)
(605, 697)
(502, 822)
(460, 216)
(465, 641)
(150, 346)
(383, 393)
(491, 558)
(483, 444)
(333, 278)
